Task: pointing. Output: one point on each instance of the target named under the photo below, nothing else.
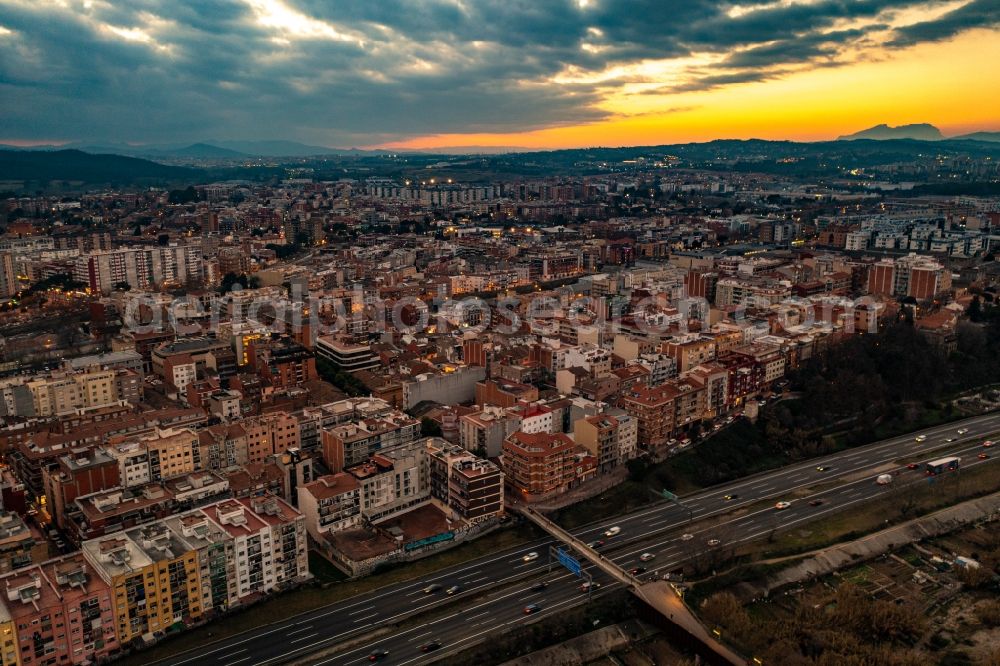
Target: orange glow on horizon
(945, 84)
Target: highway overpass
(658, 595)
(497, 586)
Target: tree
(185, 196)
(230, 280)
(975, 310)
(345, 381)
(429, 427)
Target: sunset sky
(520, 73)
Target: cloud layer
(355, 72)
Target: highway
(847, 479)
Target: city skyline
(550, 75)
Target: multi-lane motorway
(846, 478)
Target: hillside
(978, 136)
(75, 165)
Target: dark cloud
(976, 14)
(210, 69)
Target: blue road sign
(569, 562)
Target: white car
(612, 531)
(781, 506)
(713, 542)
(686, 537)
(987, 444)
(962, 431)
(530, 557)
(919, 438)
(646, 557)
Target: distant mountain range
(42, 169)
(205, 149)
(918, 132)
(76, 165)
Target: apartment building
(345, 355)
(690, 351)
(216, 553)
(471, 487)
(914, 275)
(80, 473)
(599, 435)
(140, 268)
(223, 446)
(653, 410)
(60, 392)
(183, 566)
(330, 503)
(714, 379)
(57, 612)
(745, 377)
(282, 362)
(352, 443)
(532, 418)
(155, 580)
(631, 347)
(205, 353)
(503, 393)
(17, 544)
(663, 412)
(270, 542)
(750, 292)
(391, 481)
(485, 430)
(542, 463)
(172, 452)
(270, 434)
(595, 360)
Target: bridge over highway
(659, 596)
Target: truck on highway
(942, 465)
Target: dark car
(816, 502)
(912, 466)
(538, 587)
(730, 497)
(635, 571)
(532, 608)
(454, 589)
(432, 588)
(430, 647)
(378, 655)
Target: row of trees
(889, 380)
(850, 393)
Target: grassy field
(335, 587)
